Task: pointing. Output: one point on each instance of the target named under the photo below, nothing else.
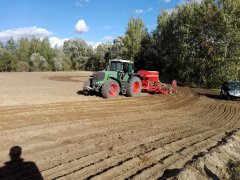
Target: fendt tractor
(119, 77)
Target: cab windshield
(115, 66)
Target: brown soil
(71, 136)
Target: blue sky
(94, 21)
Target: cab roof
(121, 60)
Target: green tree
(11, 45)
(229, 26)
(23, 54)
(148, 55)
(79, 53)
(61, 61)
(7, 61)
(116, 51)
(197, 43)
(23, 49)
(35, 45)
(99, 57)
(1, 45)
(166, 46)
(47, 52)
(134, 34)
(38, 63)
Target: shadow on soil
(17, 168)
(211, 174)
(212, 96)
(170, 173)
(81, 92)
(215, 96)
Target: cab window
(115, 66)
(125, 67)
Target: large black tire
(134, 87)
(110, 89)
(85, 91)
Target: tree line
(36, 54)
(196, 43)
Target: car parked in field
(230, 90)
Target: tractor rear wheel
(110, 89)
(134, 87)
(85, 90)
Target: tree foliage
(135, 32)
(79, 52)
(7, 60)
(99, 57)
(38, 62)
(37, 55)
(197, 43)
(116, 51)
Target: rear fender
(112, 79)
(131, 75)
(119, 83)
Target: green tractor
(119, 77)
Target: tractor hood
(99, 76)
(102, 75)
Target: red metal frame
(151, 83)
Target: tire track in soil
(135, 138)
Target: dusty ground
(192, 134)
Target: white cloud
(81, 26)
(93, 44)
(80, 3)
(149, 9)
(29, 32)
(107, 38)
(167, 1)
(55, 41)
(185, 2)
(199, 1)
(139, 11)
(26, 32)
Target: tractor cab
(120, 65)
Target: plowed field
(70, 136)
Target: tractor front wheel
(110, 89)
(134, 87)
